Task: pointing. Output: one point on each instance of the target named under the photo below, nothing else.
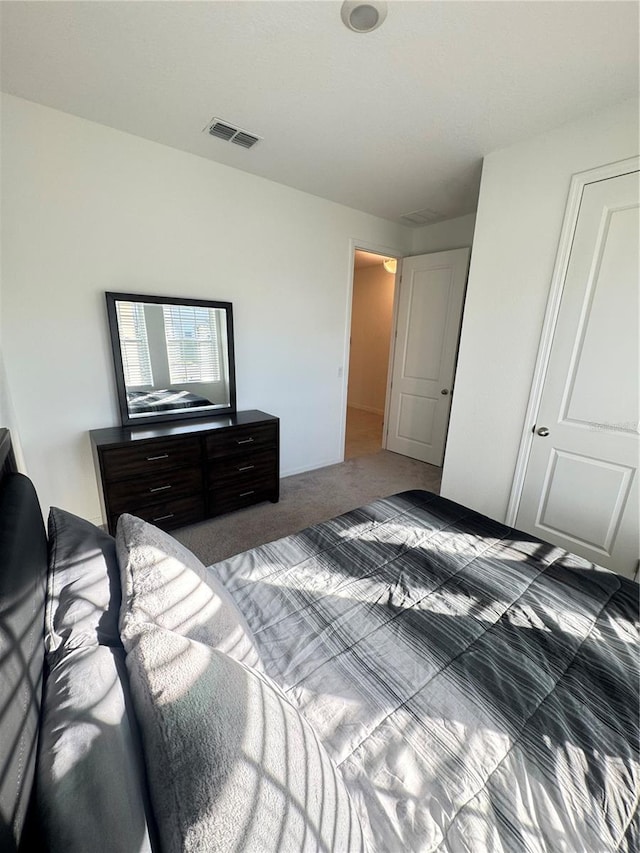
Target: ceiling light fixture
(390, 265)
(363, 17)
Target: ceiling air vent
(421, 217)
(223, 130)
(247, 140)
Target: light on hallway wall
(390, 265)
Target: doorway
(370, 342)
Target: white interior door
(581, 483)
(429, 313)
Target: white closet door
(581, 484)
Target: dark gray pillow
(90, 777)
(83, 595)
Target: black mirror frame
(165, 417)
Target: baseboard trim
(305, 469)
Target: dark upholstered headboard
(7, 457)
(23, 575)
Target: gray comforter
(477, 688)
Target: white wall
(8, 417)
(520, 212)
(442, 236)
(7, 411)
(371, 319)
(88, 209)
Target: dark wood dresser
(182, 472)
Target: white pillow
(232, 766)
(165, 584)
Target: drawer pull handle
(160, 489)
(245, 467)
(153, 458)
(246, 494)
(245, 441)
(163, 517)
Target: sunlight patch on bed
(166, 661)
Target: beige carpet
(307, 499)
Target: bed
(409, 676)
(163, 400)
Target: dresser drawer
(245, 468)
(122, 462)
(167, 514)
(242, 440)
(163, 485)
(227, 499)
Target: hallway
(363, 433)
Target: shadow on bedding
(494, 698)
(91, 785)
(232, 765)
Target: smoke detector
(224, 130)
(363, 17)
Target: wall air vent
(227, 132)
(422, 217)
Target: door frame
(576, 188)
(387, 252)
(392, 352)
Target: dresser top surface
(125, 435)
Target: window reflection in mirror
(173, 357)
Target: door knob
(543, 431)
(444, 392)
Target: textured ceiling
(388, 122)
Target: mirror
(173, 357)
